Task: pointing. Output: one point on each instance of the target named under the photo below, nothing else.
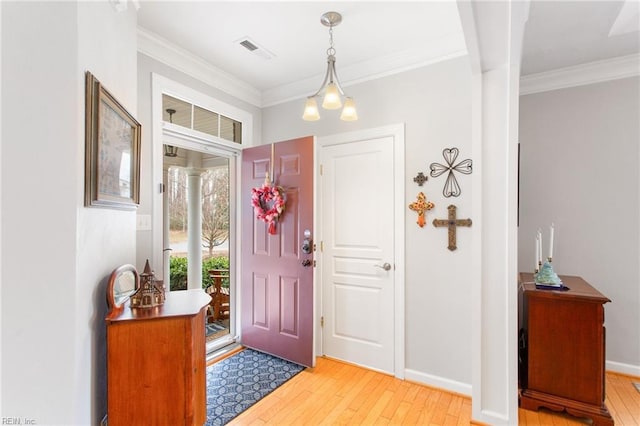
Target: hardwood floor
(335, 393)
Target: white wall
(147, 66)
(579, 170)
(57, 254)
(434, 102)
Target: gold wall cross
(420, 206)
(452, 223)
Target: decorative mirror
(123, 282)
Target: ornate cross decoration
(451, 187)
(420, 179)
(452, 222)
(420, 206)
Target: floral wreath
(264, 196)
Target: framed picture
(112, 151)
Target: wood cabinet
(564, 349)
(156, 362)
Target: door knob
(384, 266)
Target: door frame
(163, 132)
(396, 132)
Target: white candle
(551, 242)
(539, 246)
(540, 250)
(536, 266)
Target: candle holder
(546, 277)
(537, 269)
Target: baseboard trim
(438, 382)
(621, 368)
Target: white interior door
(358, 271)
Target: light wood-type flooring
(335, 393)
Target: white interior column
(194, 214)
(493, 33)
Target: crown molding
(156, 47)
(579, 75)
(448, 47)
(164, 51)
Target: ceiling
(374, 38)
(560, 34)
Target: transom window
(203, 120)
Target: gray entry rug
(236, 383)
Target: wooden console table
(156, 362)
(564, 351)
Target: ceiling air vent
(248, 45)
(254, 48)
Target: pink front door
(277, 276)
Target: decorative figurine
(150, 293)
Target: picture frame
(112, 150)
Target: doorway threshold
(223, 352)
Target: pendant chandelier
(170, 150)
(331, 85)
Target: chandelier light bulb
(332, 97)
(311, 110)
(349, 112)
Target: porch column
(166, 252)
(194, 214)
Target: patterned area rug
(236, 383)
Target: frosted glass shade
(349, 112)
(331, 97)
(311, 110)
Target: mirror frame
(117, 299)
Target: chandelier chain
(331, 50)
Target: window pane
(182, 114)
(205, 121)
(230, 130)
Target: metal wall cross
(451, 186)
(452, 223)
(420, 179)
